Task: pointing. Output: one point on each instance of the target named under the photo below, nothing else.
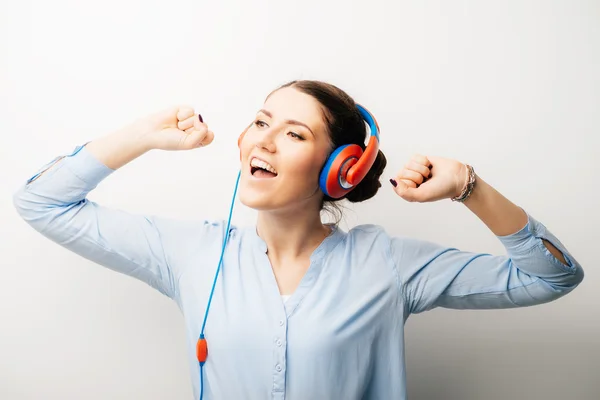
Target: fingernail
(200, 117)
(393, 182)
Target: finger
(416, 177)
(405, 190)
(198, 122)
(421, 159)
(210, 136)
(419, 168)
(409, 183)
(185, 113)
(204, 140)
(200, 138)
(194, 137)
(189, 123)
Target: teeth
(262, 164)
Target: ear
(242, 135)
(241, 138)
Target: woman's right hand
(176, 128)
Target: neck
(291, 235)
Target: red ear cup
(333, 175)
(348, 164)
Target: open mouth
(261, 169)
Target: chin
(256, 201)
(266, 195)
(257, 194)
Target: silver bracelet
(469, 186)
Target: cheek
(245, 146)
(305, 170)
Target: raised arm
(500, 215)
(54, 201)
(537, 268)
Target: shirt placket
(279, 359)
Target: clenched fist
(177, 128)
(425, 179)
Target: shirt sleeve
(54, 202)
(431, 275)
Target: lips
(261, 168)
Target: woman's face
(289, 138)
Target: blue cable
(201, 384)
(212, 291)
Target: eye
(295, 135)
(260, 123)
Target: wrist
(136, 138)
(119, 147)
(467, 185)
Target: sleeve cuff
(87, 167)
(528, 240)
(82, 164)
(521, 238)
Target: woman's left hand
(425, 179)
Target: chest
(330, 306)
(334, 299)
(289, 274)
(342, 315)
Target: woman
(301, 310)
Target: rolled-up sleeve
(54, 203)
(432, 275)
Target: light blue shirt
(341, 333)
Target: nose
(266, 141)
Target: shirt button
(280, 322)
(278, 343)
(278, 368)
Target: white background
(511, 87)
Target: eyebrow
(289, 121)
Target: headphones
(343, 170)
(347, 165)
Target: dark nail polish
(200, 118)
(393, 182)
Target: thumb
(199, 138)
(406, 189)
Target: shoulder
(368, 237)
(371, 237)
(365, 255)
(191, 235)
(368, 231)
(210, 227)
